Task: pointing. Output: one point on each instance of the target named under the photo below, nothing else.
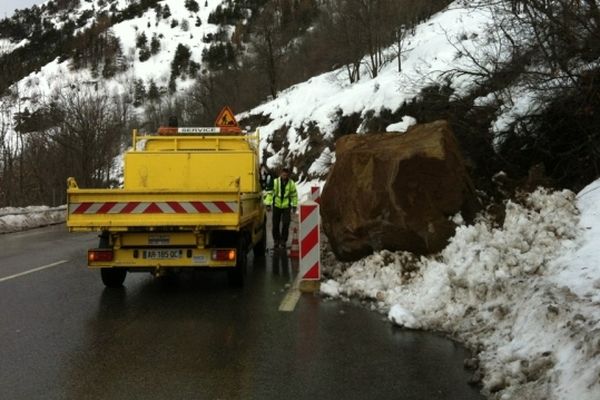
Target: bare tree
(269, 47)
(91, 128)
(363, 30)
(544, 54)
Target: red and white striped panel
(310, 252)
(315, 194)
(168, 207)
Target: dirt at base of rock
(396, 192)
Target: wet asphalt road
(63, 336)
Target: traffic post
(310, 247)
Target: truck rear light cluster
(101, 255)
(223, 255)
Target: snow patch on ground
(330, 288)
(401, 316)
(524, 295)
(13, 219)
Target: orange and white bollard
(295, 249)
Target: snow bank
(18, 219)
(524, 295)
(401, 316)
(579, 271)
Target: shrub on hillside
(192, 5)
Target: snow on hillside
(57, 77)
(7, 46)
(158, 66)
(428, 54)
(524, 295)
(85, 6)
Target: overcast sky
(7, 7)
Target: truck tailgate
(121, 209)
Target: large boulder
(396, 192)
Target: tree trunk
(272, 69)
(399, 38)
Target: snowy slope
(428, 55)
(56, 76)
(97, 6)
(158, 66)
(523, 295)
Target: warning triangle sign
(226, 119)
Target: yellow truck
(191, 199)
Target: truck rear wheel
(237, 274)
(261, 247)
(113, 277)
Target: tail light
(223, 255)
(101, 255)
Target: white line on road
(43, 267)
(288, 304)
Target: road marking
(31, 271)
(288, 304)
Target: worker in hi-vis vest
(283, 200)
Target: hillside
(129, 63)
(512, 98)
(163, 27)
(302, 124)
(136, 63)
(517, 101)
(513, 104)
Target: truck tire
(261, 247)
(237, 274)
(113, 277)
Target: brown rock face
(396, 192)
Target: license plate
(162, 254)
